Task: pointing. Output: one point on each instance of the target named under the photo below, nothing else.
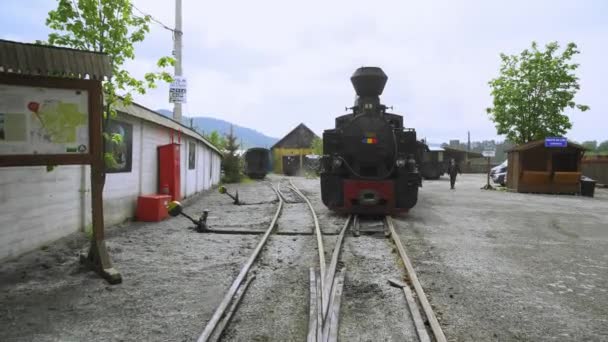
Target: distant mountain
(206, 125)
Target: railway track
(286, 193)
(327, 282)
(223, 313)
(327, 285)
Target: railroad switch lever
(175, 208)
(223, 190)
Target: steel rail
(411, 273)
(320, 248)
(221, 309)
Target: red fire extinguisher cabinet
(169, 171)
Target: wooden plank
(312, 315)
(319, 308)
(423, 335)
(219, 311)
(319, 238)
(334, 328)
(426, 306)
(235, 303)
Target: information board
(36, 120)
(178, 90)
(489, 153)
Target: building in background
(288, 154)
(38, 207)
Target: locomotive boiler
(370, 161)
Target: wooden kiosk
(534, 167)
(52, 105)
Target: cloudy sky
(270, 65)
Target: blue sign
(556, 142)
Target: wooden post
(98, 258)
(488, 170)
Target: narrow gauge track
(326, 287)
(220, 319)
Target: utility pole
(469, 140)
(177, 53)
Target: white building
(37, 207)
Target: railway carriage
(257, 162)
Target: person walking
(453, 170)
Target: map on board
(43, 120)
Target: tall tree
(231, 162)
(590, 145)
(532, 91)
(109, 27)
(216, 139)
(317, 146)
(603, 147)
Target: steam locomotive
(370, 162)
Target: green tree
(603, 147)
(109, 27)
(532, 91)
(590, 145)
(216, 139)
(317, 146)
(231, 162)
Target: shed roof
(46, 60)
(298, 137)
(541, 142)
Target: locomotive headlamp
(337, 162)
(400, 162)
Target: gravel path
(496, 266)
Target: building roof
(471, 154)
(299, 137)
(45, 60)
(435, 147)
(541, 142)
(147, 114)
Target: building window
(191, 156)
(118, 143)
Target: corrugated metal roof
(147, 114)
(35, 59)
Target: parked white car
(499, 173)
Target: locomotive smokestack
(369, 81)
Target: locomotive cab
(370, 161)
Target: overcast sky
(270, 65)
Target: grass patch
(246, 180)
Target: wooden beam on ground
(423, 335)
(313, 307)
(411, 273)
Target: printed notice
(43, 120)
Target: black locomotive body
(257, 162)
(370, 162)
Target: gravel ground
(495, 265)
(500, 266)
(173, 278)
